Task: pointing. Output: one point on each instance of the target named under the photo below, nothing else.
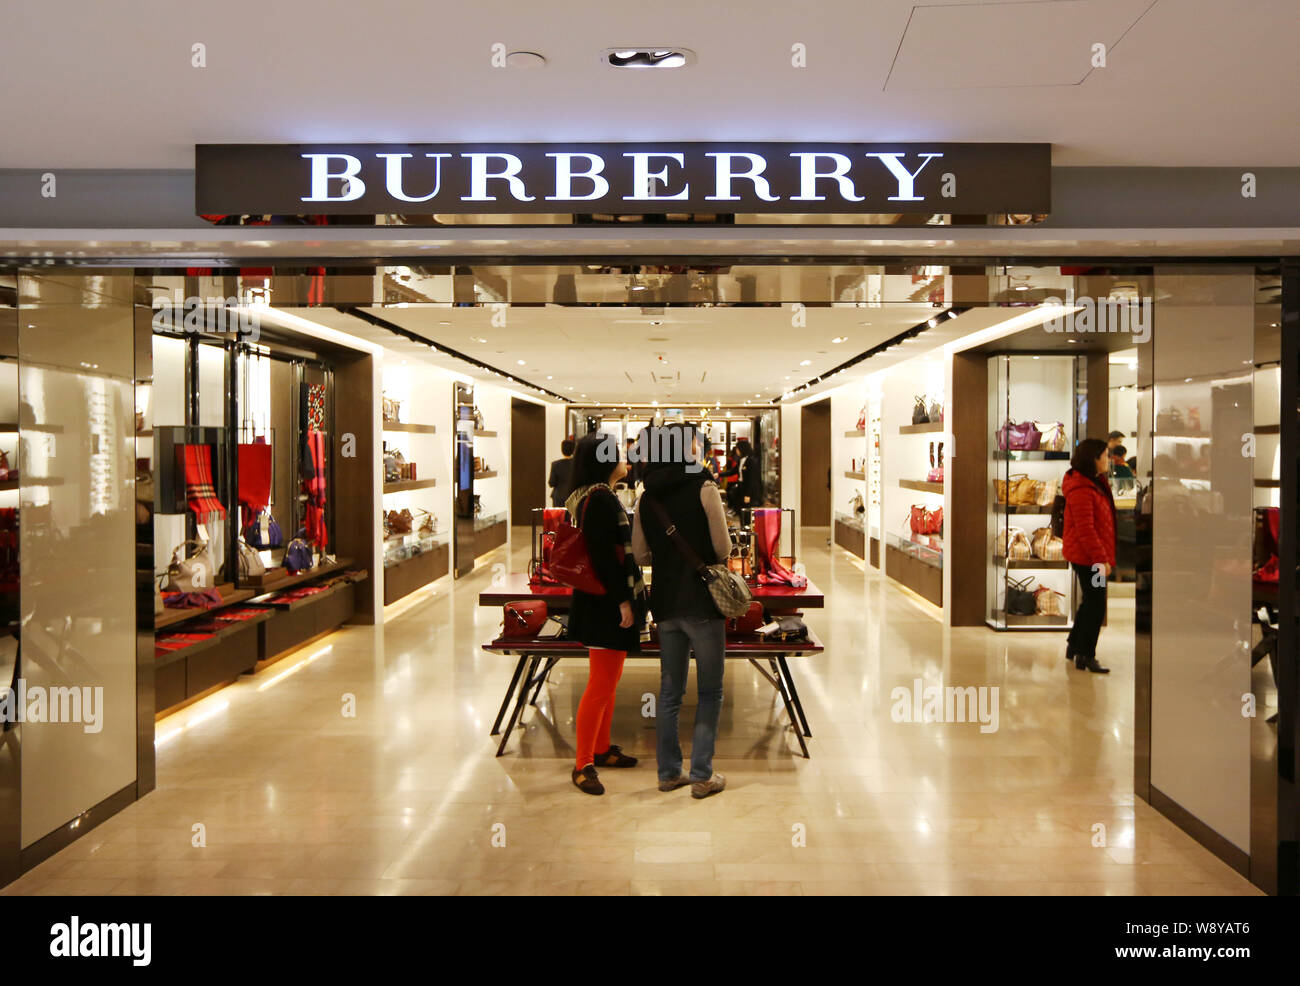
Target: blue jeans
(676, 640)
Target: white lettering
(479, 176)
(906, 179)
(808, 175)
(641, 176)
(564, 175)
(726, 175)
(393, 176)
(321, 176)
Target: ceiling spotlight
(806, 362)
(478, 339)
(522, 362)
(550, 378)
(951, 313)
(932, 322)
(839, 339)
(648, 57)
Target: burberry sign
(360, 179)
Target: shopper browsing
(608, 625)
(745, 492)
(1089, 546)
(680, 495)
(561, 477)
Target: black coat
(594, 620)
(676, 589)
(559, 479)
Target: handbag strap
(671, 530)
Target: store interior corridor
(269, 786)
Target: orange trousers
(596, 710)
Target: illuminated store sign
(370, 179)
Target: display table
(537, 658)
(516, 587)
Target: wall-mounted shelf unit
(410, 428)
(406, 485)
(930, 427)
(921, 486)
(486, 474)
(483, 433)
(855, 475)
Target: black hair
(1086, 454)
(743, 448)
(668, 444)
(1119, 450)
(594, 459)
(1114, 434)
(567, 446)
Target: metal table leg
(510, 690)
(520, 702)
(776, 681)
(794, 693)
(551, 662)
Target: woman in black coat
(609, 625)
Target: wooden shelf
(229, 597)
(13, 484)
(483, 433)
(1259, 429)
(921, 485)
(291, 604)
(855, 434)
(8, 427)
(1029, 563)
(8, 484)
(1268, 484)
(928, 428)
(1022, 508)
(486, 474)
(855, 475)
(406, 485)
(307, 576)
(199, 646)
(1182, 434)
(410, 428)
(1003, 455)
(1012, 620)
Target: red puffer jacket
(1089, 537)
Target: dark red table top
(515, 587)
(736, 647)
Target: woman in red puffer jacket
(1089, 546)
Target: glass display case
(1038, 406)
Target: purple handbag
(1022, 437)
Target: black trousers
(1091, 613)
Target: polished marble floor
(289, 794)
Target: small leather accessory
(264, 532)
(191, 571)
(749, 621)
(920, 415)
(728, 589)
(1020, 599)
(524, 618)
(784, 628)
(297, 556)
(570, 561)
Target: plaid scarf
(200, 491)
(624, 550)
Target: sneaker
(587, 781)
(672, 785)
(615, 757)
(702, 789)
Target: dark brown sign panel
(370, 179)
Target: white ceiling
(1188, 82)
(613, 355)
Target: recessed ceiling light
(524, 59)
(806, 362)
(839, 339)
(444, 323)
(478, 339)
(659, 56)
(550, 378)
(570, 388)
(522, 362)
(758, 395)
(1022, 287)
(1035, 357)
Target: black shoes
(1089, 664)
(614, 757)
(587, 782)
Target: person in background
(634, 464)
(1119, 467)
(706, 456)
(745, 492)
(1114, 439)
(1089, 546)
(684, 610)
(608, 625)
(561, 473)
(730, 468)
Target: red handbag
(924, 521)
(570, 560)
(749, 621)
(524, 618)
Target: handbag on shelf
(1044, 492)
(862, 418)
(922, 520)
(392, 410)
(935, 413)
(264, 532)
(1023, 437)
(1052, 437)
(298, 556)
(855, 502)
(249, 561)
(1170, 419)
(785, 628)
(399, 522)
(1013, 544)
(749, 621)
(1048, 602)
(191, 572)
(920, 415)
(729, 590)
(1047, 545)
(1020, 599)
(524, 618)
(570, 561)
(1016, 490)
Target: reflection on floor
(288, 794)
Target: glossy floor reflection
(289, 795)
